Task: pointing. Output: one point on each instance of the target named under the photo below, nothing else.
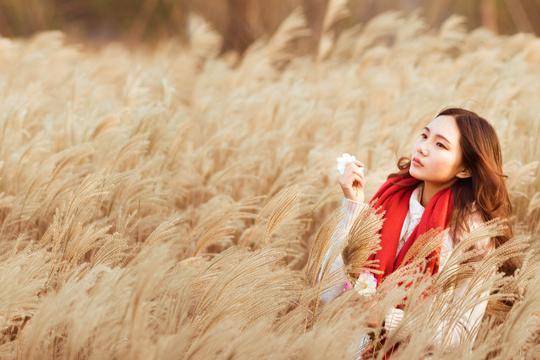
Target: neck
(429, 189)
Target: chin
(414, 173)
(424, 178)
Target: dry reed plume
(165, 203)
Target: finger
(358, 172)
(353, 166)
(354, 169)
(359, 179)
(359, 163)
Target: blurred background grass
(240, 22)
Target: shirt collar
(415, 207)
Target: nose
(422, 149)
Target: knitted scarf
(392, 198)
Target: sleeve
(350, 210)
(469, 321)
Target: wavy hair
(486, 187)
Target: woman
(454, 182)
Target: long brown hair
(486, 187)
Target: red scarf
(393, 197)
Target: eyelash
(444, 147)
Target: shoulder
(474, 220)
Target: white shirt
(413, 218)
(350, 209)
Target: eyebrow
(438, 135)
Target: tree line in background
(240, 22)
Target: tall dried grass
(165, 204)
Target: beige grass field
(162, 203)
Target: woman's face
(437, 148)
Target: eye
(440, 144)
(444, 147)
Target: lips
(417, 162)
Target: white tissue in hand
(366, 284)
(343, 160)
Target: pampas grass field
(165, 203)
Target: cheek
(442, 164)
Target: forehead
(446, 126)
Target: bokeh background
(240, 22)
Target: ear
(463, 174)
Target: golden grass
(169, 204)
